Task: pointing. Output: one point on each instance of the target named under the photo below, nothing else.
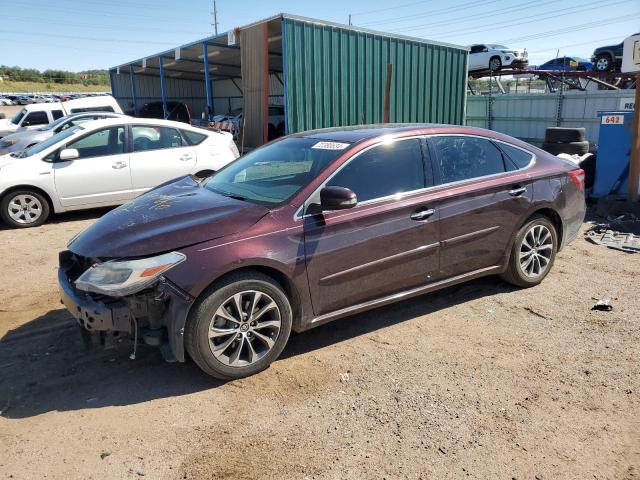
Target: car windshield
(18, 116)
(498, 47)
(42, 146)
(274, 173)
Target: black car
(608, 58)
(176, 111)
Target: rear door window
(462, 158)
(57, 114)
(155, 138)
(384, 170)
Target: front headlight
(8, 143)
(121, 278)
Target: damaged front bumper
(155, 316)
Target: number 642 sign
(612, 119)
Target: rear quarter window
(193, 138)
(521, 158)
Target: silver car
(27, 138)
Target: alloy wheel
(536, 250)
(25, 209)
(244, 328)
(495, 64)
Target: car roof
(359, 133)
(124, 119)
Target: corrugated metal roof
(222, 37)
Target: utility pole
(349, 19)
(215, 17)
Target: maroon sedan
(314, 227)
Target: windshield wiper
(237, 197)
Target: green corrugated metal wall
(336, 76)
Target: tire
(24, 209)
(603, 63)
(516, 273)
(243, 339)
(495, 64)
(564, 134)
(272, 132)
(570, 148)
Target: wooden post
(634, 166)
(387, 95)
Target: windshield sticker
(330, 145)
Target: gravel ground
(477, 381)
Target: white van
(38, 114)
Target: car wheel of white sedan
(24, 208)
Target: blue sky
(77, 35)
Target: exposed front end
(146, 315)
(515, 58)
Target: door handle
(422, 214)
(118, 165)
(517, 191)
(184, 158)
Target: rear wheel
(239, 327)
(24, 208)
(533, 253)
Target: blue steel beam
(163, 87)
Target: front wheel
(603, 63)
(239, 326)
(533, 253)
(24, 208)
(495, 64)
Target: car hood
(169, 217)
(27, 135)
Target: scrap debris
(603, 305)
(602, 235)
(620, 232)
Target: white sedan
(104, 163)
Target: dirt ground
(10, 110)
(476, 381)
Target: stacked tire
(565, 140)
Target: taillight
(577, 177)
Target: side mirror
(69, 154)
(337, 198)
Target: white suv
(495, 57)
(103, 163)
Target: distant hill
(9, 86)
(52, 77)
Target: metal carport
(324, 74)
